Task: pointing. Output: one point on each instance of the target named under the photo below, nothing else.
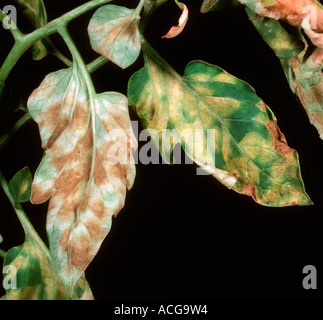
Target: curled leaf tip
(176, 30)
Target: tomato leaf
(36, 278)
(113, 32)
(245, 149)
(176, 30)
(307, 15)
(302, 66)
(20, 185)
(32, 273)
(284, 44)
(86, 186)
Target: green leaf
(35, 11)
(20, 185)
(283, 43)
(36, 278)
(79, 131)
(1, 238)
(113, 32)
(222, 125)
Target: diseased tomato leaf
(83, 173)
(30, 265)
(301, 65)
(176, 30)
(20, 185)
(305, 14)
(36, 278)
(305, 77)
(113, 32)
(284, 44)
(222, 125)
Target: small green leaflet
(20, 185)
(302, 66)
(245, 151)
(35, 11)
(113, 32)
(79, 130)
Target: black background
(183, 236)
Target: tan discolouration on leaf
(113, 32)
(207, 5)
(24, 187)
(126, 29)
(85, 188)
(176, 30)
(281, 145)
(303, 13)
(306, 80)
(233, 135)
(250, 191)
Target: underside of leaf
(86, 188)
(222, 125)
(113, 32)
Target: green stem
(96, 64)
(61, 57)
(27, 226)
(15, 53)
(24, 42)
(139, 7)
(11, 26)
(19, 124)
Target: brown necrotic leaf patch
(281, 145)
(85, 187)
